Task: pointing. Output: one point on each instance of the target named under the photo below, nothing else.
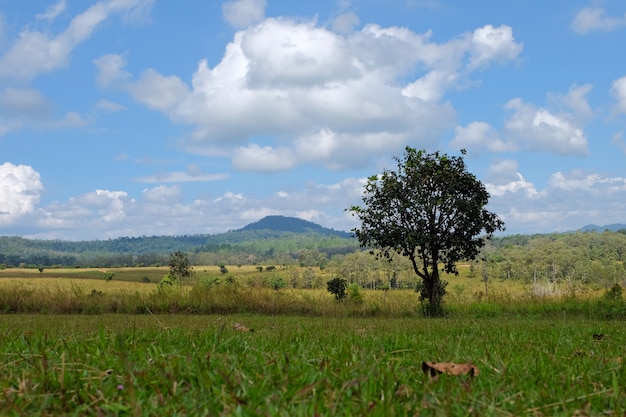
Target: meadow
(76, 344)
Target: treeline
(234, 248)
(582, 257)
(572, 258)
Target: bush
(355, 295)
(277, 284)
(614, 293)
(337, 287)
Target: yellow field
(130, 280)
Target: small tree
(431, 210)
(337, 287)
(180, 268)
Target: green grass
(298, 366)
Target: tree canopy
(431, 210)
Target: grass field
(309, 355)
(301, 366)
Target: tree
(337, 287)
(431, 210)
(180, 268)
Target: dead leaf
(241, 328)
(433, 369)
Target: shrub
(614, 293)
(355, 295)
(337, 287)
(277, 284)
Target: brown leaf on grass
(241, 328)
(433, 369)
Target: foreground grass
(292, 366)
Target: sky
(154, 117)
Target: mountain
(293, 225)
(611, 227)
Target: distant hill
(611, 227)
(264, 238)
(293, 225)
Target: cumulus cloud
(493, 44)
(520, 185)
(243, 13)
(580, 181)
(20, 191)
(171, 91)
(263, 159)
(348, 91)
(345, 23)
(479, 135)
(161, 210)
(163, 194)
(574, 101)
(592, 19)
(540, 129)
(598, 200)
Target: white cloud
(52, 11)
(263, 159)
(35, 53)
(618, 90)
(23, 101)
(542, 130)
(493, 44)
(71, 119)
(20, 191)
(503, 171)
(569, 201)
(575, 101)
(110, 71)
(242, 13)
(163, 194)
(618, 140)
(478, 135)
(517, 186)
(593, 183)
(345, 23)
(170, 92)
(179, 176)
(161, 210)
(296, 83)
(592, 19)
(109, 106)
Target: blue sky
(154, 117)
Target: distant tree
(431, 210)
(180, 268)
(40, 269)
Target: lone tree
(431, 210)
(180, 268)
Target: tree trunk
(434, 301)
